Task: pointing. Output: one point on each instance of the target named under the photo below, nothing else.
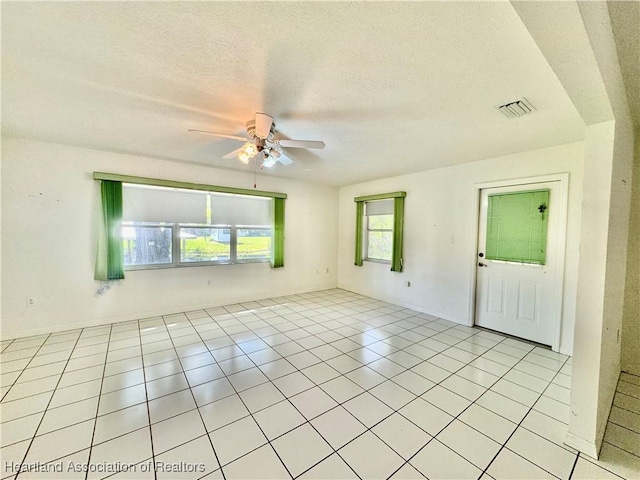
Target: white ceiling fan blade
(221, 135)
(300, 143)
(234, 153)
(263, 125)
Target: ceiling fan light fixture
(243, 157)
(250, 149)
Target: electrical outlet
(31, 302)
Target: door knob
(482, 264)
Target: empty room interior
(330, 240)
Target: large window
(379, 229)
(164, 227)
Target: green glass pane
(517, 227)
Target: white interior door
(519, 297)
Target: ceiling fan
(262, 141)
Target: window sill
(188, 265)
(375, 260)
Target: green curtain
(110, 261)
(359, 220)
(398, 223)
(277, 256)
(517, 227)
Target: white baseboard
(400, 303)
(154, 313)
(587, 447)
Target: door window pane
(517, 227)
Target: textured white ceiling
(391, 88)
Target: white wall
(631, 320)
(49, 202)
(440, 233)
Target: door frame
(561, 239)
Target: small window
(379, 225)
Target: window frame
(365, 240)
(397, 260)
(176, 246)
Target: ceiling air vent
(517, 109)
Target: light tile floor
(329, 384)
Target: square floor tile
(370, 457)
(365, 377)
(110, 402)
(301, 449)
(341, 389)
(508, 465)
(320, 373)
(446, 400)
(212, 391)
(552, 458)
(260, 397)
(222, 412)
(426, 416)
(166, 385)
(463, 387)
(338, 427)
(171, 405)
(70, 414)
(547, 427)
(303, 359)
(392, 394)
(162, 370)
(431, 372)
(293, 383)
(491, 424)
(127, 449)
(20, 429)
(515, 392)
(177, 430)
(276, 369)
(237, 439)
(503, 406)
(313, 402)
(262, 463)
(122, 380)
(118, 423)
(204, 374)
(413, 382)
(585, 470)
(437, 461)
(60, 443)
(247, 379)
(401, 435)
(278, 419)
(197, 455)
(368, 409)
(469, 443)
(331, 468)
